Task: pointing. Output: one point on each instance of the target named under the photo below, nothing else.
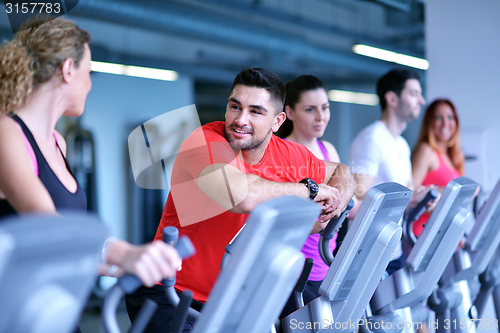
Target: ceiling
(212, 40)
(287, 36)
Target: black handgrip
(420, 208)
(170, 235)
(226, 256)
(181, 312)
(328, 233)
(301, 284)
(228, 248)
(185, 247)
(334, 225)
(304, 276)
(129, 283)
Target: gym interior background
(207, 42)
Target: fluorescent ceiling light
(144, 72)
(390, 56)
(352, 97)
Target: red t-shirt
(209, 226)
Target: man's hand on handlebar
(319, 226)
(329, 199)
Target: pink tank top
(310, 248)
(440, 177)
(30, 149)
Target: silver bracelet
(111, 270)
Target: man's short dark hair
(395, 81)
(262, 78)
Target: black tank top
(63, 199)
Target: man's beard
(247, 145)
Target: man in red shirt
(223, 170)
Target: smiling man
(223, 170)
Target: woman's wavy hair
(427, 135)
(35, 55)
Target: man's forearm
(260, 190)
(239, 192)
(343, 181)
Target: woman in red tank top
(437, 157)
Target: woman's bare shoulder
(424, 150)
(332, 152)
(10, 131)
(425, 155)
(6, 122)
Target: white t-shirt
(377, 153)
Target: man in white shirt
(379, 153)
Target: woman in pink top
(308, 113)
(437, 157)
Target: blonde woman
(45, 74)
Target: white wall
(115, 106)
(463, 49)
(346, 121)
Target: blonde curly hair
(35, 55)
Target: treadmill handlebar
(334, 225)
(127, 284)
(304, 276)
(419, 209)
(327, 234)
(183, 245)
(170, 235)
(408, 235)
(181, 312)
(130, 283)
(186, 249)
(301, 284)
